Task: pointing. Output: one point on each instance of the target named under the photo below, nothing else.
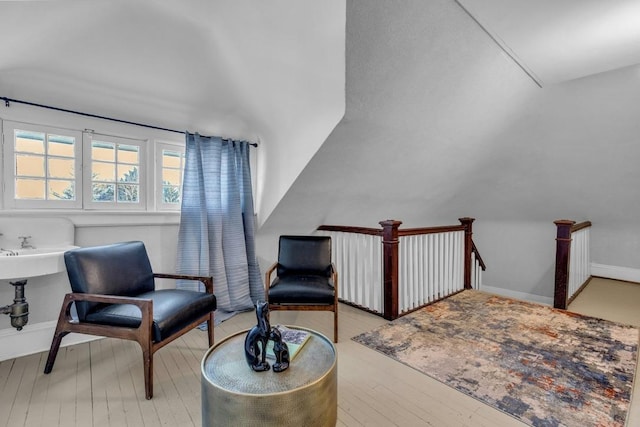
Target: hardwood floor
(101, 383)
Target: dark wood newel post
(468, 248)
(563, 249)
(390, 267)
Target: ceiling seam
(502, 45)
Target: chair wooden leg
(210, 325)
(147, 359)
(335, 324)
(59, 333)
(53, 351)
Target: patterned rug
(543, 366)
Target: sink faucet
(25, 244)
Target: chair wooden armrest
(206, 280)
(144, 304)
(334, 275)
(108, 299)
(267, 279)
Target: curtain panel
(217, 226)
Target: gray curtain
(217, 226)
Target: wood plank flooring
(101, 383)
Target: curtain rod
(8, 101)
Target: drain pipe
(19, 310)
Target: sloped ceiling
(440, 122)
(563, 40)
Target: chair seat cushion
(301, 290)
(172, 310)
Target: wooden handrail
(401, 232)
(430, 230)
(479, 258)
(580, 226)
(350, 229)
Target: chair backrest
(304, 255)
(118, 269)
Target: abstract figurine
(254, 353)
(280, 350)
(255, 344)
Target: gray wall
(441, 124)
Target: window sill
(101, 218)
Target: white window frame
(89, 204)
(8, 145)
(159, 184)
(150, 142)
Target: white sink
(25, 263)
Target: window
(42, 166)
(50, 167)
(47, 167)
(170, 167)
(114, 174)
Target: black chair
(115, 296)
(306, 277)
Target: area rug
(543, 366)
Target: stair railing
(393, 271)
(573, 260)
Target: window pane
(104, 151)
(171, 176)
(43, 166)
(29, 189)
(171, 159)
(103, 192)
(61, 190)
(128, 154)
(170, 194)
(115, 172)
(61, 168)
(63, 146)
(128, 193)
(103, 171)
(29, 142)
(29, 165)
(128, 173)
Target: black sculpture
(255, 344)
(280, 350)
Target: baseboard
(617, 273)
(34, 338)
(597, 270)
(518, 295)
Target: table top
(225, 366)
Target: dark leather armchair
(306, 277)
(115, 296)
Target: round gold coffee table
(306, 394)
